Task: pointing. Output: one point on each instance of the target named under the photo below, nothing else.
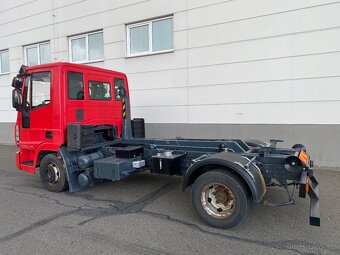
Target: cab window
(41, 87)
(75, 86)
(99, 90)
(119, 92)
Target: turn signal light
(17, 135)
(303, 156)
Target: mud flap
(309, 178)
(71, 175)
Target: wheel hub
(52, 173)
(218, 201)
(221, 197)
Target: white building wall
(252, 62)
(259, 61)
(243, 62)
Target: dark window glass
(99, 90)
(41, 86)
(75, 86)
(27, 94)
(119, 89)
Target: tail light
(17, 135)
(307, 185)
(303, 156)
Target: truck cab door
(37, 112)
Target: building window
(150, 37)
(37, 54)
(4, 62)
(87, 47)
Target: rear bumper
(308, 177)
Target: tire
(52, 174)
(218, 184)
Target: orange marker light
(307, 185)
(303, 156)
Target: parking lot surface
(149, 214)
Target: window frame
(3, 73)
(150, 31)
(86, 36)
(38, 51)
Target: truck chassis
(226, 175)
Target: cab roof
(79, 66)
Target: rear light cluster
(17, 134)
(303, 156)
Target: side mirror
(17, 82)
(16, 99)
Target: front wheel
(219, 199)
(52, 174)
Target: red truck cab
(53, 95)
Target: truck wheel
(52, 174)
(219, 199)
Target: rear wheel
(52, 174)
(219, 199)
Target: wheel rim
(52, 174)
(218, 200)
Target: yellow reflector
(303, 156)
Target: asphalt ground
(149, 214)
